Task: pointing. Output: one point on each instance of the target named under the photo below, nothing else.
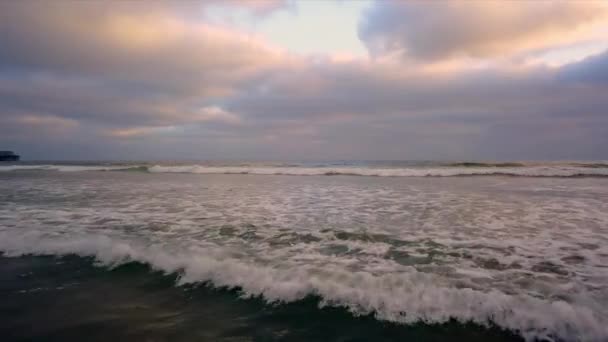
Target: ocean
(304, 251)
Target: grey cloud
(439, 30)
(358, 111)
(146, 46)
(592, 70)
(354, 112)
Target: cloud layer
(479, 29)
(128, 81)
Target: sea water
(305, 251)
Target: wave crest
(390, 172)
(398, 297)
(73, 168)
(452, 171)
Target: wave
(453, 171)
(479, 164)
(73, 168)
(406, 298)
(389, 172)
(598, 164)
(591, 165)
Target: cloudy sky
(282, 79)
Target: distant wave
(478, 164)
(465, 169)
(591, 165)
(530, 164)
(73, 168)
(405, 298)
(390, 172)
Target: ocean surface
(323, 251)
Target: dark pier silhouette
(8, 156)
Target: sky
(304, 80)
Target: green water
(69, 299)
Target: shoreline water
(355, 168)
(524, 254)
(139, 303)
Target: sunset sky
(277, 80)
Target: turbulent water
(380, 169)
(527, 254)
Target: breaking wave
(405, 298)
(455, 170)
(73, 168)
(389, 172)
(479, 164)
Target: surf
(454, 170)
(399, 298)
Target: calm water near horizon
(303, 251)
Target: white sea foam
(525, 171)
(526, 254)
(63, 168)
(564, 171)
(405, 298)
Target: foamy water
(526, 254)
(564, 169)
